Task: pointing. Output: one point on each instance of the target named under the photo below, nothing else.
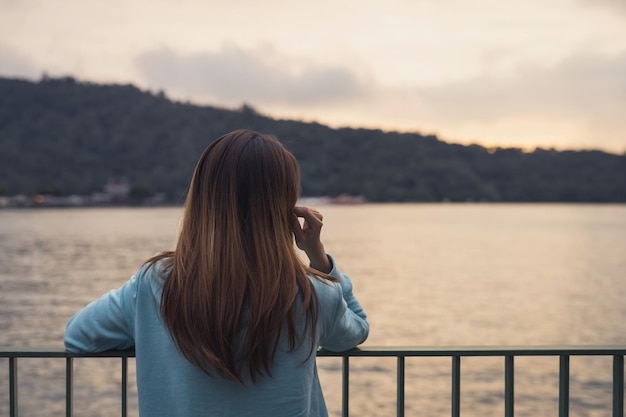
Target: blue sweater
(170, 386)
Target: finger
(301, 211)
(295, 224)
(309, 214)
(317, 214)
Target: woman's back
(169, 385)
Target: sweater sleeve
(106, 323)
(348, 323)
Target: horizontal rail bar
(365, 351)
(552, 350)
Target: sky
(509, 73)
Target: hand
(308, 236)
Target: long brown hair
(235, 266)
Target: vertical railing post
(124, 386)
(345, 386)
(456, 386)
(13, 387)
(400, 387)
(509, 386)
(69, 386)
(564, 386)
(618, 385)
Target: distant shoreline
(314, 204)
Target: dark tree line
(62, 136)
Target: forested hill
(62, 136)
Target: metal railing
(454, 352)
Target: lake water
(427, 274)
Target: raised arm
(346, 323)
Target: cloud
(580, 102)
(233, 75)
(617, 5)
(583, 85)
(14, 64)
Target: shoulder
(151, 276)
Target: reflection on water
(426, 274)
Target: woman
(229, 323)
